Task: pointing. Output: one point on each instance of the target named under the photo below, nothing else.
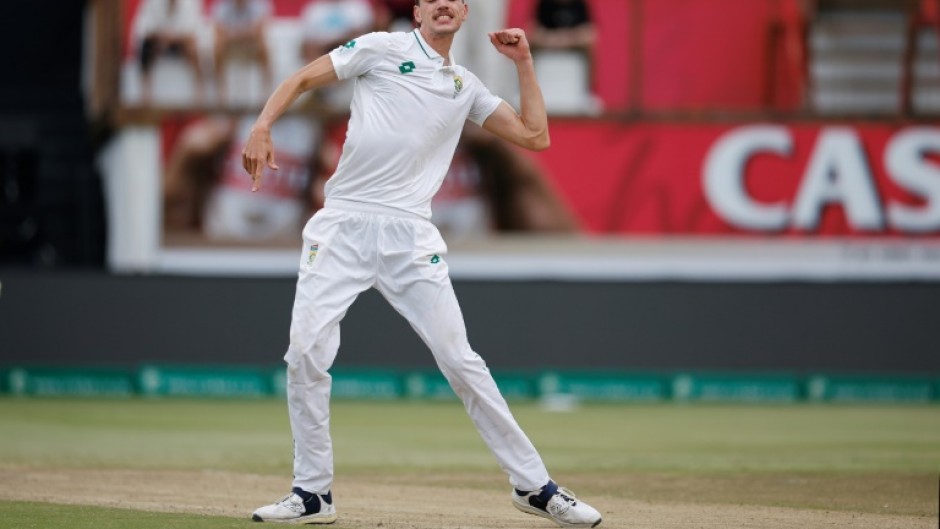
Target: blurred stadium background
(741, 203)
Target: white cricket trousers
(348, 249)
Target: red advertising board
(802, 180)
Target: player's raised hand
(258, 153)
(512, 43)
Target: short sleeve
(359, 56)
(484, 103)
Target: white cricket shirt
(407, 113)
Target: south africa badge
(458, 85)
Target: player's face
(441, 17)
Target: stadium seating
(174, 83)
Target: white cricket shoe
(558, 505)
(299, 507)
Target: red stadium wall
(694, 54)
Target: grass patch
(254, 436)
(874, 459)
(29, 515)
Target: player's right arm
(259, 151)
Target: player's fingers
(256, 177)
(253, 167)
(508, 36)
(271, 163)
(494, 39)
(246, 162)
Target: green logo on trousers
(435, 259)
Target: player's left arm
(259, 151)
(529, 127)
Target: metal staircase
(857, 58)
(925, 89)
(872, 59)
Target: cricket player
(409, 105)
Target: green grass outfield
(26, 515)
(866, 458)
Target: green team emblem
(435, 259)
(407, 67)
(350, 45)
(458, 85)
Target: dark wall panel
(89, 318)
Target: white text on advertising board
(838, 173)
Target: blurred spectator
(563, 37)
(240, 32)
(206, 190)
(168, 27)
(328, 24)
(194, 162)
(395, 15)
(492, 186)
(564, 24)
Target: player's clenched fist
(511, 43)
(258, 153)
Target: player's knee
(463, 367)
(303, 371)
(307, 365)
